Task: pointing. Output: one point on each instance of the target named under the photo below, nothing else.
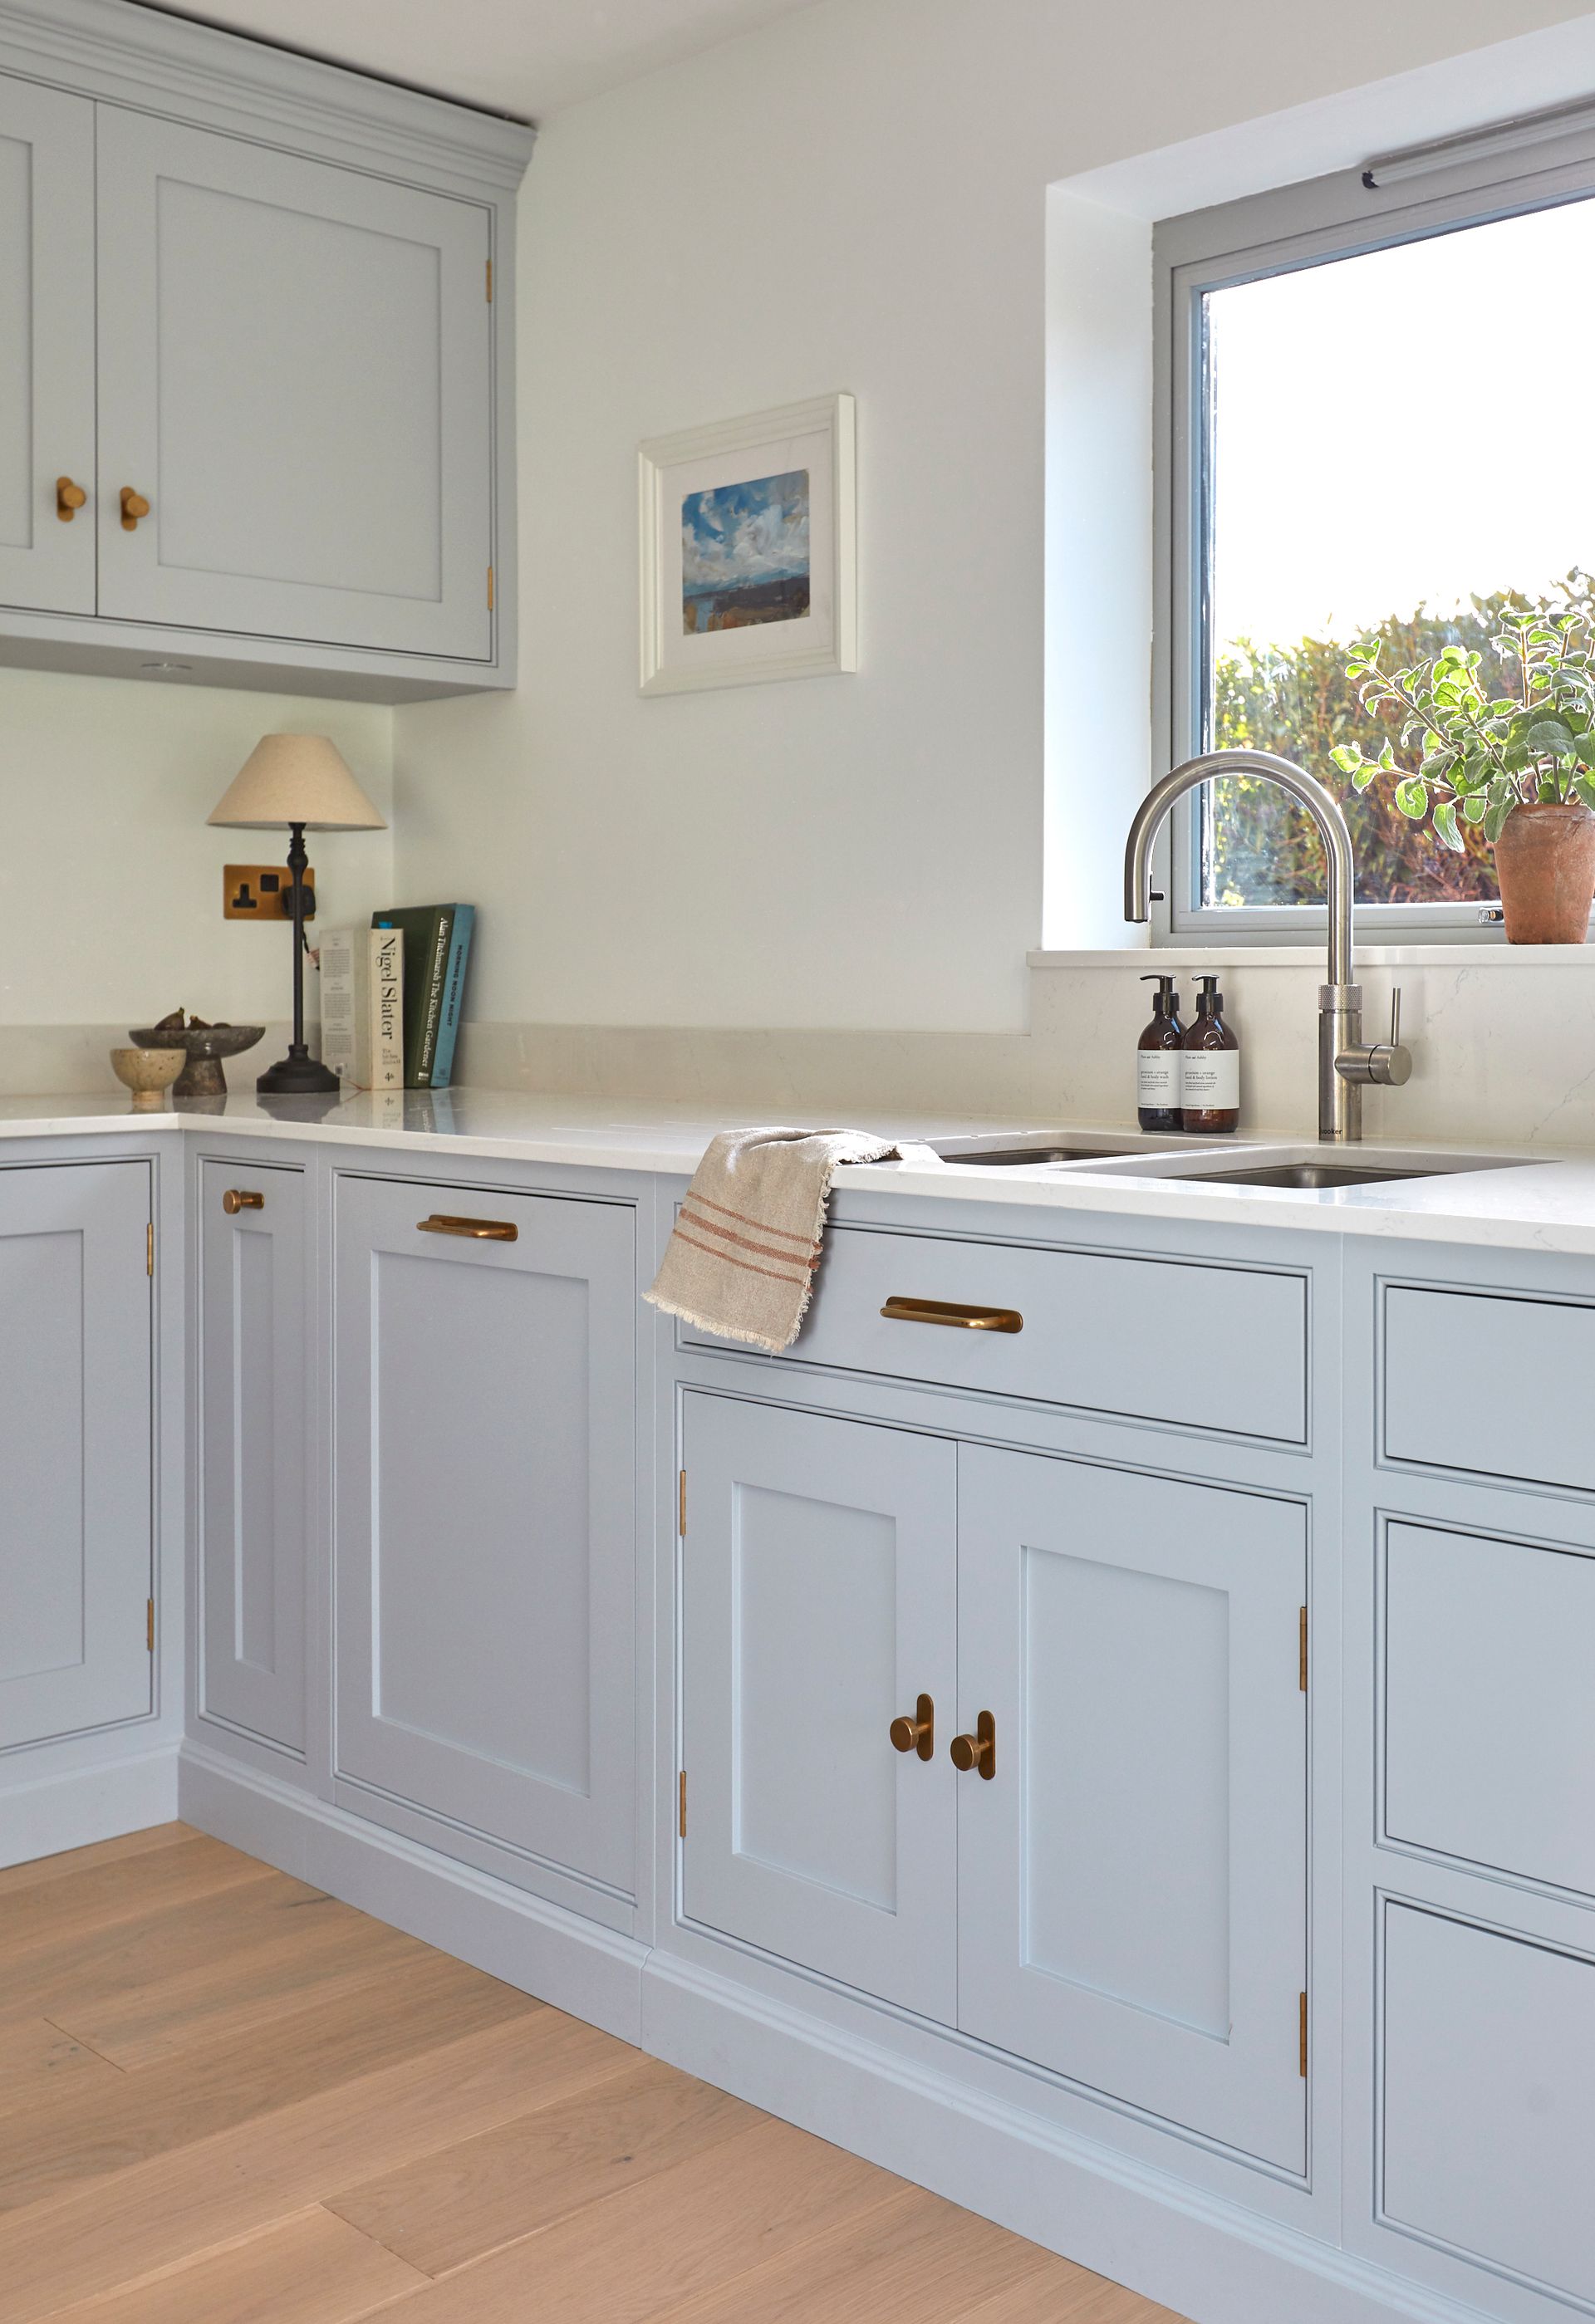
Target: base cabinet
(1116, 1888)
(483, 1516)
(76, 1428)
(1488, 2078)
(254, 1469)
(1133, 1878)
(819, 1580)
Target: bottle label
(1212, 1080)
(1160, 1078)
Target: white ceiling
(521, 57)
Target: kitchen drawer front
(1489, 1723)
(1222, 1348)
(253, 1448)
(1535, 1357)
(1488, 2098)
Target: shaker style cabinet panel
(1132, 1878)
(1489, 1728)
(254, 1454)
(484, 1515)
(297, 376)
(818, 1582)
(1487, 2115)
(46, 419)
(76, 1383)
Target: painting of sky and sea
(745, 554)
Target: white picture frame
(728, 513)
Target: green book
(428, 930)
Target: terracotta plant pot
(1546, 856)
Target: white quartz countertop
(1512, 1201)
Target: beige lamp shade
(295, 779)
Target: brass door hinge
(490, 281)
(490, 588)
(149, 1625)
(1303, 2053)
(149, 1248)
(681, 1804)
(1302, 1653)
(681, 1503)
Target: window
(1346, 460)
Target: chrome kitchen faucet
(1346, 1063)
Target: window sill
(1310, 955)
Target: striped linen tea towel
(741, 1261)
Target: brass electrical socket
(260, 891)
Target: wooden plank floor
(226, 2099)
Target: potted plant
(1520, 761)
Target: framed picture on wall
(749, 550)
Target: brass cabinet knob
(238, 1198)
(133, 506)
(978, 1750)
(68, 498)
(918, 1733)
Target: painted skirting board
(85, 1804)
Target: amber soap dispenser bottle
(1211, 1100)
(1159, 1062)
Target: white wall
(853, 197)
(110, 881)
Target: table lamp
(297, 782)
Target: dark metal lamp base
(298, 1074)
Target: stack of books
(392, 995)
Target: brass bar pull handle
(918, 1733)
(68, 498)
(133, 506)
(977, 1750)
(952, 1311)
(238, 1198)
(475, 1230)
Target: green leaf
(1446, 826)
(1347, 757)
(1550, 734)
(1499, 809)
(1412, 797)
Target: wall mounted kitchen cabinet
(47, 394)
(294, 436)
(483, 1522)
(252, 1450)
(75, 1426)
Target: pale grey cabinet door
(818, 1607)
(253, 1456)
(1132, 1879)
(484, 1510)
(46, 346)
(296, 374)
(75, 1418)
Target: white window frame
(1311, 224)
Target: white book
(362, 1006)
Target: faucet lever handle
(1395, 1016)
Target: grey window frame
(1292, 227)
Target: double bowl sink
(1278, 1165)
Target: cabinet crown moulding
(135, 55)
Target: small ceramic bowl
(149, 1073)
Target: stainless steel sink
(1310, 1174)
(1014, 1158)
